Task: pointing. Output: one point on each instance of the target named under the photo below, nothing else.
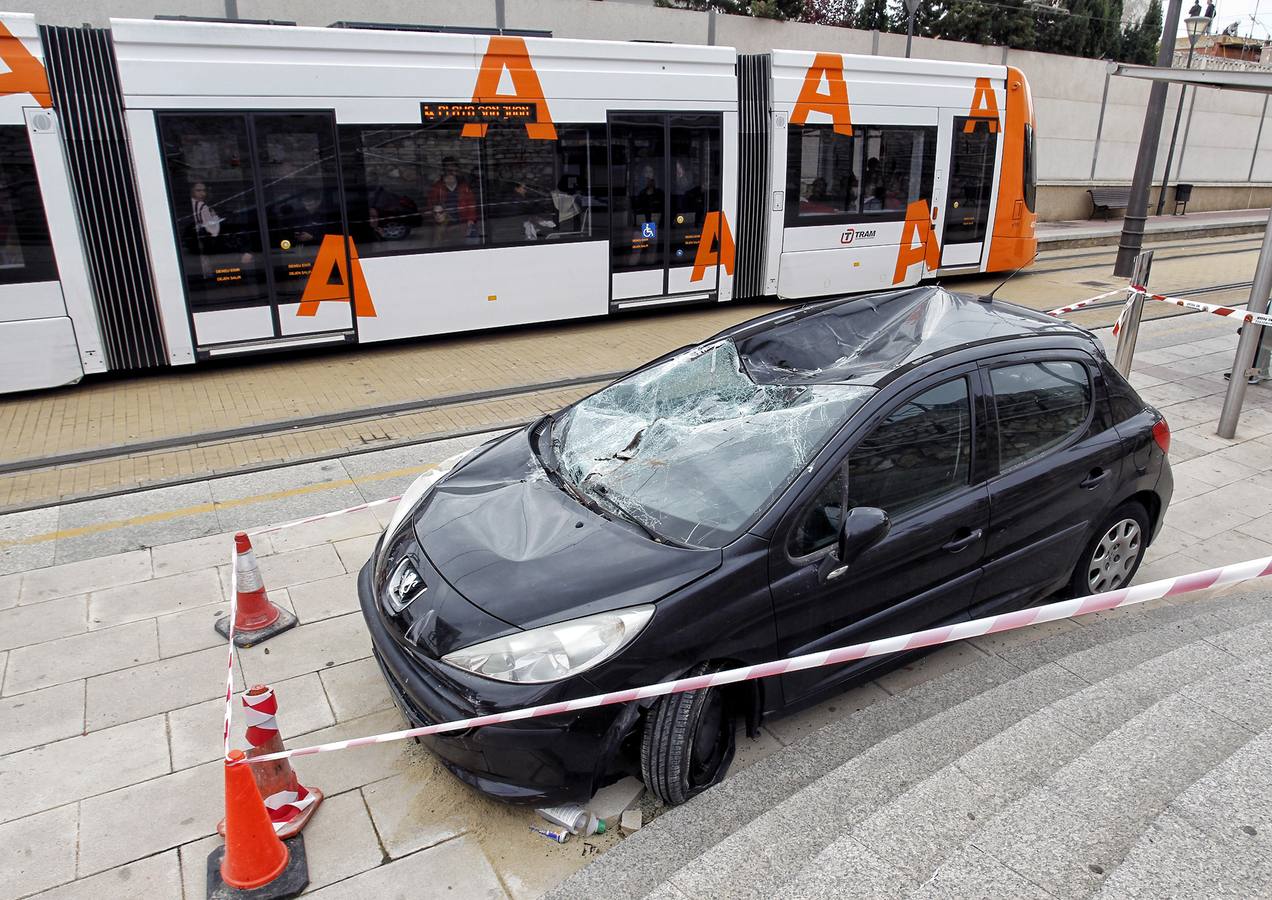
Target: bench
(1106, 198)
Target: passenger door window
(296, 164)
(971, 181)
(922, 451)
(215, 210)
(1039, 405)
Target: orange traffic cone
(253, 862)
(255, 617)
(290, 804)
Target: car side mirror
(861, 529)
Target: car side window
(921, 451)
(1040, 405)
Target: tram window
(215, 208)
(410, 189)
(871, 176)
(1031, 168)
(544, 190)
(25, 252)
(415, 189)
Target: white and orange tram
(172, 191)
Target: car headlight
(556, 651)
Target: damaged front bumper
(545, 761)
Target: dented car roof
(862, 339)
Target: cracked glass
(692, 448)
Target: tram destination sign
(481, 113)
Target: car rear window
(1040, 405)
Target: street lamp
(1196, 25)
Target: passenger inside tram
(455, 199)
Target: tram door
(664, 184)
(259, 213)
(969, 191)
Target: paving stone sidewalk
(111, 672)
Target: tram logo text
(852, 234)
(918, 243)
(26, 73)
(322, 286)
(827, 67)
(715, 230)
(984, 108)
(510, 54)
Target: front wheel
(688, 742)
(1112, 558)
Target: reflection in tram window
(298, 172)
(971, 181)
(213, 194)
(429, 188)
(25, 252)
(412, 188)
(694, 182)
(871, 176)
(544, 190)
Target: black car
(689, 517)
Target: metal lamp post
(912, 7)
(1197, 25)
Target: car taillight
(1161, 434)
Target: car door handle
(1092, 481)
(961, 543)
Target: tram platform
(1096, 232)
(111, 435)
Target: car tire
(1114, 553)
(688, 743)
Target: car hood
(521, 549)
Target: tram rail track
(348, 433)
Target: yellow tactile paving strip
(78, 481)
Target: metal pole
(1099, 128)
(1129, 333)
(1260, 290)
(501, 21)
(1170, 154)
(1133, 223)
(1259, 136)
(231, 9)
(909, 35)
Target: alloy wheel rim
(1115, 556)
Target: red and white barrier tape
(229, 665)
(1065, 609)
(1087, 302)
(270, 529)
(1244, 315)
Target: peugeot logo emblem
(405, 585)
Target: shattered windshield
(692, 448)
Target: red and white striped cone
(254, 617)
(290, 804)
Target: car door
(918, 463)
(1058, 469)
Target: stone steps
(897, 797)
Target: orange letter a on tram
(510, 53)
(834, 103)
(984, 107)
(918, 244)
(321, 287)
(715, 227)
(26, 74)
